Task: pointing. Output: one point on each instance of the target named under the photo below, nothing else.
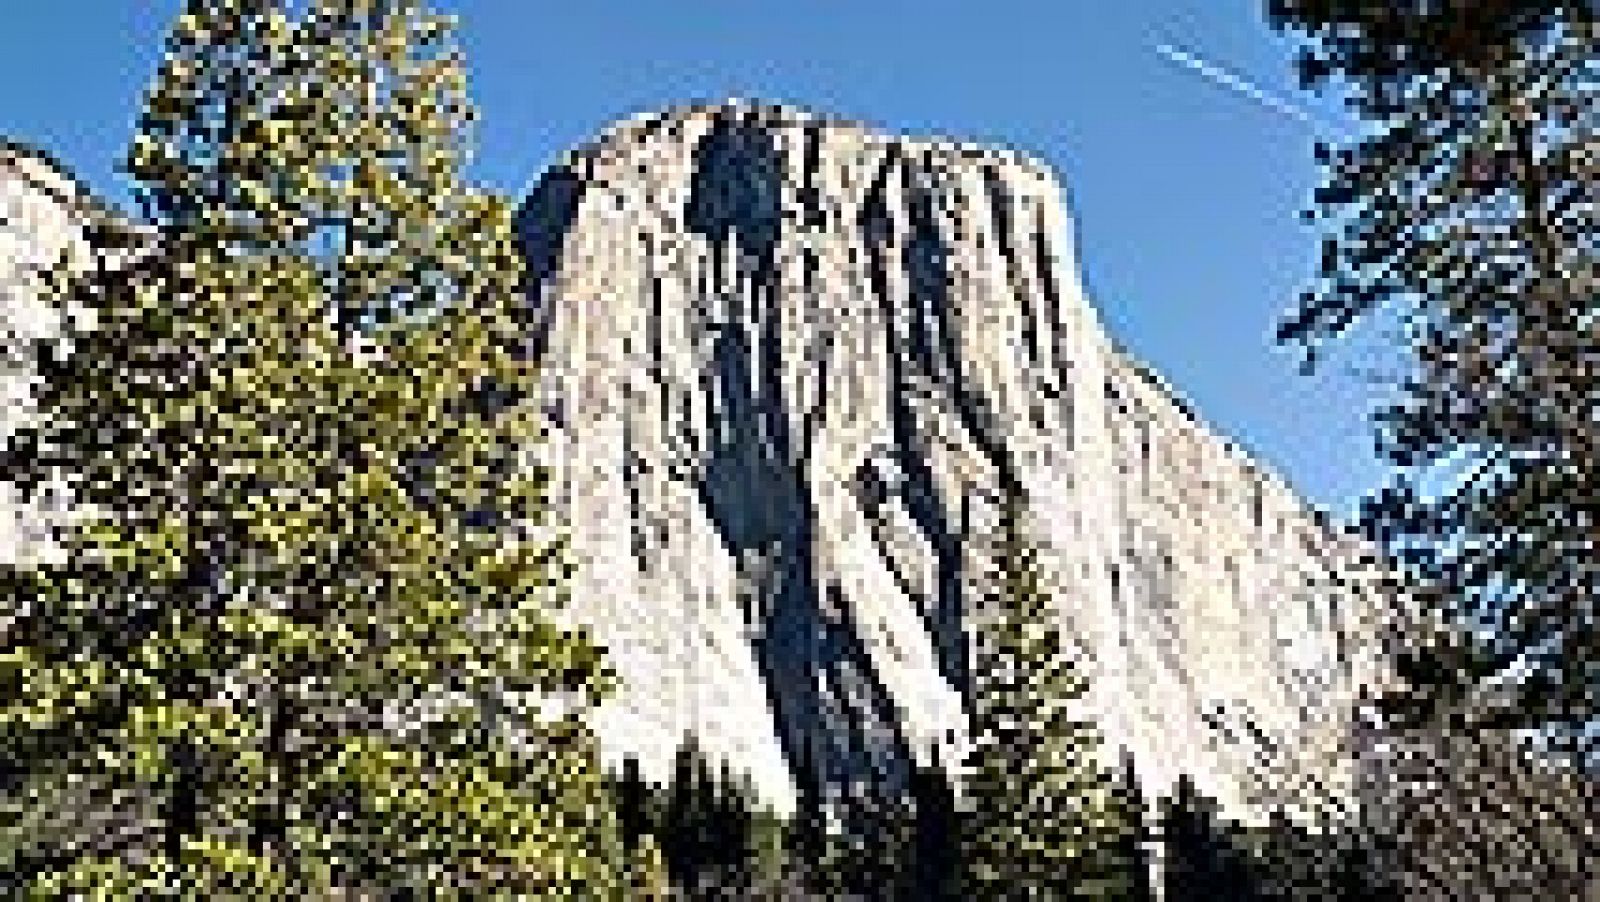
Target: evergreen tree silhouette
(807, 835)
(730, 832)
(682, 830)
(634, 801)
(1131, 848)
(934, 869)
(707, 829)
(1204, 860)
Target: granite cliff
(792, 362)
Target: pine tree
(639, 811)
(1204, 858)
(1131, 849)
(735, 831)
(634, 804)
(300, 642)
(934, 869)
(1467, 208)
(717, 838)
(771, 856)
(1041, 820)
(1190, 859)
(813, 857)
(683, 838)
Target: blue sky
(1185, 188)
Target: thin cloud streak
(1220, 76)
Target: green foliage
(1131, 844)
(933, 869)
(1467, 208)
(707, 827)
(1208, 856)
(1041, 818)
(771, 862)
(813, 857)
(301, 637)
(647, 872)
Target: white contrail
(1238, 84)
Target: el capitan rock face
(791, 364)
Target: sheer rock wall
(792, 362)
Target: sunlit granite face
(791, 363)
(43, 222)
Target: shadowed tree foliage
(1041, 819)
(298, 642)
(1209, 856)
(1290, 860)
(1467, 207)
(636, 803)
(1380, 45)
(933, 869)
(687, 817)
(717, 837)
(811, 856)
(1132, 843)
(874, 865)
(639, 806)
(1206, 857)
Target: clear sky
(1186, 185)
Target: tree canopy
(1467, 206)
(301, 640)
(1041, 812)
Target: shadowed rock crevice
(542, 225)
(918, 364)
(819, 677)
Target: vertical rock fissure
(822, 686)
(1060, 376)
(918, 488)
(542, 225)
